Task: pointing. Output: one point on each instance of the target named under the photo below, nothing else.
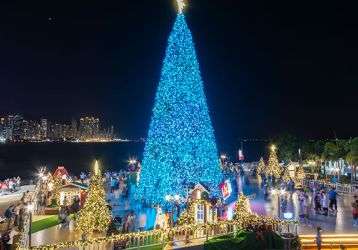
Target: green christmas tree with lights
(286, 174)
(95, 215)
(260, 167)
(300, 175)
(273, 168)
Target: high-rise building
(66, 131)
(89, 128)
(82, 128)
(16, 127)
(73, 128)
(35, 130)
(25, 130)
(3, 129)
(95, 128)
(111, 135)
(56, 130)
(9, 127)
(43, 133)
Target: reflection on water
(23, 159)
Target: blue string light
(180, 147)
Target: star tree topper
(181, 6)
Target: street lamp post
(223, 159)
(132, 161)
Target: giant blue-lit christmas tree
(180, 148)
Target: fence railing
(341, 188)
(180, 235)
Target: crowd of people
(10, 185)
(117, 183)
(118, 187)
(322, 201)
(13, 221)
(64, 214)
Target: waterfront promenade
(340, 224)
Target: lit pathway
(342, 223)
(53, 235)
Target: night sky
(267, 66)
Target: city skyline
(17, 128)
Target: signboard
(229, 190)
(226, 189)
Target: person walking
(303, 212)
(62, 217)
(9, 214)
(131, 222)
(9, 241)
(325, 203)
(332, 196)
(319, 238)
(142, 221)
(306, 209)
(317, 202)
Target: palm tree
(333, 151)
(316, 162)
(352, 157)
(312, 153)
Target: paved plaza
(340, 223)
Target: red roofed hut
(61, 172)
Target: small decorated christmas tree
(300, 175)
(187, 217)
(273, 167)
(242, 207)
(261, 167)
(95, 215)
(259, 180)
(286, 175)
(250, 221)
(55, 185)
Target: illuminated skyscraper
(16, 127)
(74, 128)
(43, 130)
(89, 128)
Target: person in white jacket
(325, 203)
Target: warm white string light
(181, 6)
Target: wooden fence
(179, 236)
